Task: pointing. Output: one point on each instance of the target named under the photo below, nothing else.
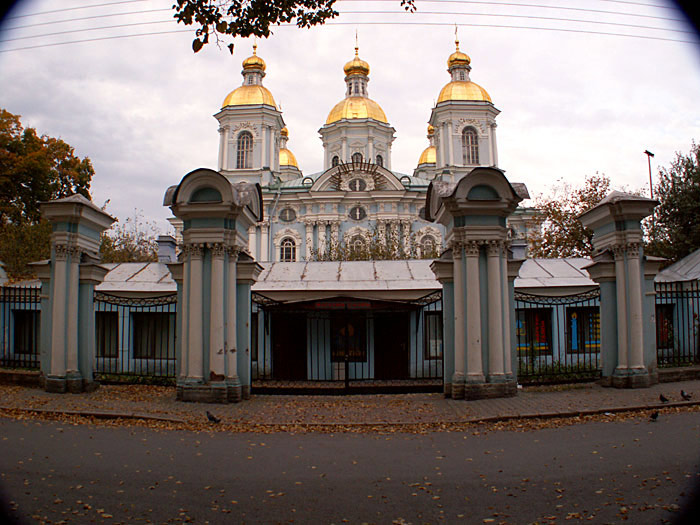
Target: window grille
(244, 153)
(287, 250)
(154, 335)
(470, 146)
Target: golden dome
(431, 130)
(254, 62)
(356, 66)
(249, 95)
(287, 158)
(284, 132)
(458, 58)
(356, 108)
(428, 156)
(463, 90)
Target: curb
(336, 424)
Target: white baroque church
(357, 196)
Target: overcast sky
(573, 103)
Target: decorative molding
(193, 250)
(247, 126)
(471, 123)
(217, 249)
(287, 232)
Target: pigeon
(212, 418)
(686, 396)
(654, 417)
(663, 398)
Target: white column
(185, 317)
(370, 150)
(475, 366)
(264, 248)
(322, 237)
(490, 138)
(72, 323)
(344, 149)
(335, 228)
(264, 135)
(508, 368)
(458, 377)
(222, 147)
(448, 133)
(494, 145)
(620, 287)
(231, 317)
(58, 313)
(495, 311)
(195, 350)
(442, 146)
(216, 328)
(636, 354)
(406, 236)
(309, 239)
(252, 242)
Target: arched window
(470, 147)
(335, 161)
(357, 244)
(288, 250)
(244, 153)
(357, 157)
(380, 160)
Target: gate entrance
(391, 339)
(289, 346)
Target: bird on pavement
(212, 418)
(663, 398)
(685, 395)
(654, 417)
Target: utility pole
(649, 155)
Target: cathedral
(357, 202)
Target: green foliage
(134, 240)
(674, 229)
(376, 246)
(235, 18)
(556, 231)
(22, 243)
(34, 169)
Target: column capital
(618, 251)
(193, 251)
(233, 252)
(456, 247)
(472, 248)
(494, 248)
(264, 227)
(217, 249)
(633, 249)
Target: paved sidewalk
(159, 404)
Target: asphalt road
(604, 472)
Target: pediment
(342, 177)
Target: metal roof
(687, 269)
(137, 278)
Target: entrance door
(289, 346)
(391, 335)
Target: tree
(556, 231)
(674, 228)
(33, 169)
(234, 18)
(134, 240)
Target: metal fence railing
(678, 323)
(135, 337)
(20, 314)
(558, 338)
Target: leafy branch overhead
(245, 18)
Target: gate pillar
(68, 281)
(213, 279)
(626, 278)
(477, 274)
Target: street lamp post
(649, 155)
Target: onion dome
(458, 58)
(356, 108)
(254, 61)
(429, 155)
(356, 66)
(463, 90)
(287, 158)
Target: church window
(357, 244)
(380, 160)
(461, 75)
(358, 213)
(357, 185)
(288, 250)
(250, 79)
(427, 246)
(288, 215)
(470, 146)
(357, 157)
(335, 160)
(244, 153)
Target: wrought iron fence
(558, 338)
(347, 343)
(20, 314)
(678, 323)
(135, 337)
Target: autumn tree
(674, 228)
(235, 18)
(556, 231)
(33, 168)
(133, 240)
